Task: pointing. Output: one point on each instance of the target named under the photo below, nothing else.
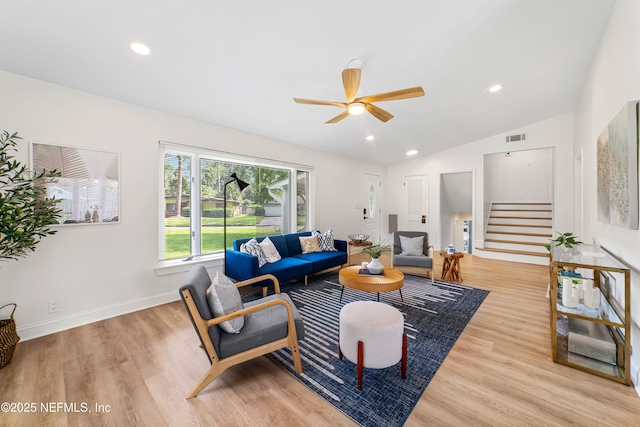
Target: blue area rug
(435, 316)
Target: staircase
(519, 229)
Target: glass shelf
(592, 340)
(604, 312)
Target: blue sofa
(293, 265)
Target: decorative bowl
(358, 238)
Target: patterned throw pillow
(252, 247)
(325, 240)
(270, 251)
(224, 298)
(309, 244)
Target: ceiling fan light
(356, 108)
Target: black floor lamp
(242, 185)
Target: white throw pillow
(224, 298)
(270, 250)
(325, 240)
(309, 244)
(252, 247)
(412, 245)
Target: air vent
(516, 138)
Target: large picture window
(275, 202)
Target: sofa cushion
(324, 260)
(252, 247)
(325, 240)
(309, 244)
(288, 268)
(281, 245)
(270, 251)
(224, 298)
(293, 242)
(411, 246)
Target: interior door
(415, 203)
(371, 210)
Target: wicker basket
(8, 337)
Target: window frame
(197, 154)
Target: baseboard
(39, 329)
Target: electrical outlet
(54, 306)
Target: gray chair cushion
(412, 261)
(261, 327)
(397, 247)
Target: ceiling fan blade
(351, 82)
(337, 118)
(316, 102)
(379, 113)
(412, 92)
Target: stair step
(523, 203)
(521, 217)
(519, 225)
(522, 210)
(510, 251)
(517, 233)
(516, 242)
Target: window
(275, 202)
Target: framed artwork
(617, 169)
(89, 185)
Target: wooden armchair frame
(218, 365)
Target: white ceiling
(238, 64)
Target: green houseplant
(376, 250)
(25, 214)
(25, 210)
(568, 240)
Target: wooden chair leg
(360, 363)
(214, 371)
(404, 355)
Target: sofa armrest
(340, 245)
(241, 266)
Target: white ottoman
(372, 336)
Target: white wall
(100, 271)
(523, 176)
(556, 133)
(613, 80)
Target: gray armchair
(270, 323)
(420, 262)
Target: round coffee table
(393, 280)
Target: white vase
(570, 293)
(591, 298)
(375, 266)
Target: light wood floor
(499, 373)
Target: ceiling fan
(354, 106)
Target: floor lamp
(242, 185)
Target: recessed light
(140, 48)
(495, 88)
(370, 138)
(412, 152)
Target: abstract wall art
(617, 169)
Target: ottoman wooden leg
(404, 356)
(339, 349)
(360, 363)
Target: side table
(357, 244)
(451, 266)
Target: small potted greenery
(567, 240)
(375, 266)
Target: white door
(415, 203)
(371, 206)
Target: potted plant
(568, 240)
(375, 266)
(25, 215)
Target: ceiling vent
(517, 137)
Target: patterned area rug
(435, 315)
